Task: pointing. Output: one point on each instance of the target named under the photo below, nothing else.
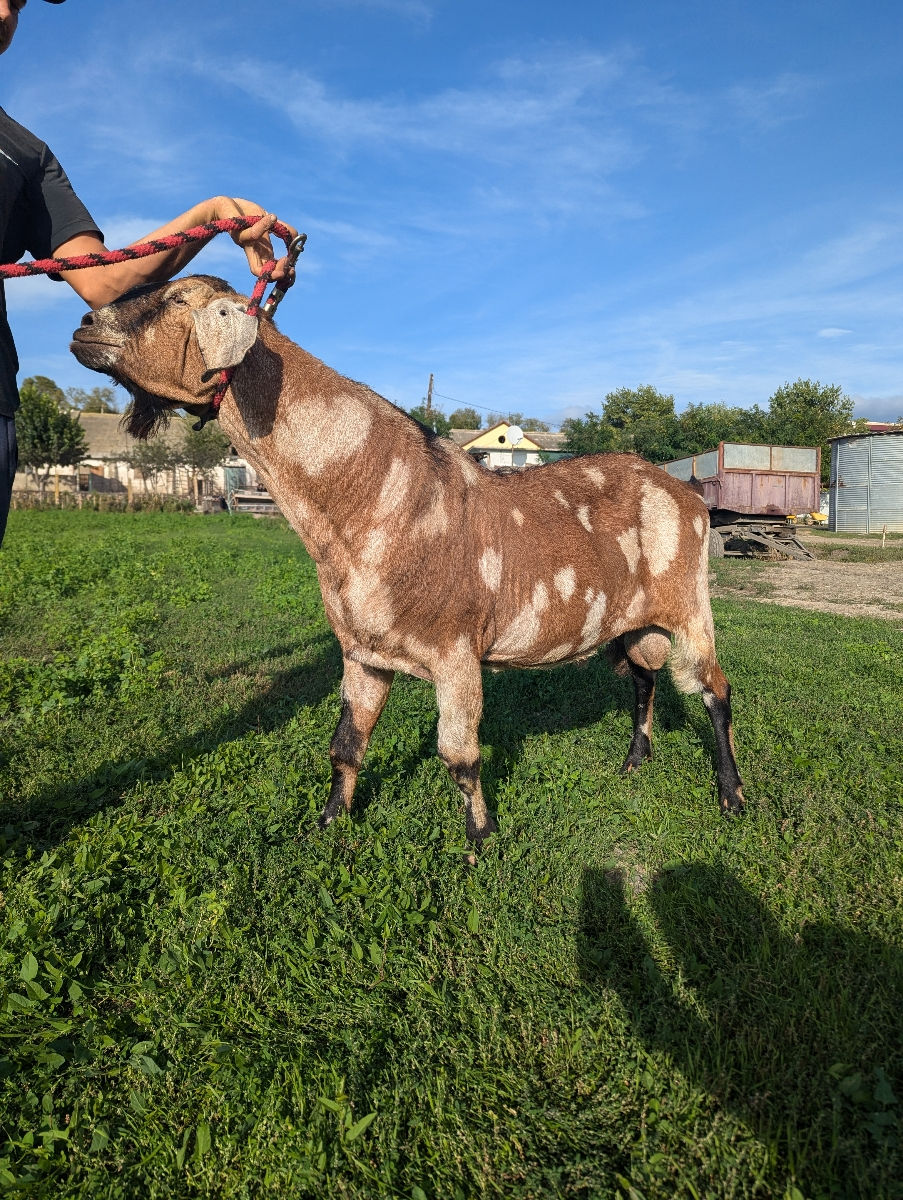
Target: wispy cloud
(765, 104)
(833, 332)
(553, 130)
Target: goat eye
(179, 300)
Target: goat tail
(687, 662)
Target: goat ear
(225, 334)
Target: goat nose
(88, 319)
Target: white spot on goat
(591, 632)
(469, 470)
(583, 517)
(393, 491)
(597, 476)
(434, 521)
(630, 544)
(565, 581)
(557, 653)
(659, 527)
(326, 431)
(367, 600)
(523, 631)
(491, 568)
(634, 609)
(518, 515)
(697, 525)
(374, 546)
(561, 498)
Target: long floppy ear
(225, 334)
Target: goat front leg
(460, 698)
(364, 694)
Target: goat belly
(545, 629)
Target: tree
(98, 400)
(533, 424)
(517, 418)
(588, 435)
(807, 413)
(47, 387)
(202, 450)
(644, 419)
(151, 459)
(435, 419)
(625, 408)
(47, 434)
(702, 426)
(465, 418)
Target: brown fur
(427, 562)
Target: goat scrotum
(427, 562)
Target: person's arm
(101, 285)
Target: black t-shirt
(38, 212)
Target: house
(106, 467)
(494, 448)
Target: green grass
(204, 996)
(865, 554)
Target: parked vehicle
(751, 491)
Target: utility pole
(429, 398)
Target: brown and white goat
(428, 563)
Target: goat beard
(146, 415)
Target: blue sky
(536, 202)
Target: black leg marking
(644, 693)
(346, 751)
(730, 785)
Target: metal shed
(866, 489)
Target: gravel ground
(824, 584)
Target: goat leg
(460, 699)
(644, 694)
(364, 694)
(717, 699)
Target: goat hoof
(732, 804)
(633, 762)
(476, 835)
(328, 815)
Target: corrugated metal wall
(867, 484)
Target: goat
(427, 562)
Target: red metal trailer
(751, 490)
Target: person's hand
(255, 240)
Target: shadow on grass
(800, 1036)
(46, 818)
(518, 704)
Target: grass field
(628, 996)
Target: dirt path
(823, 584)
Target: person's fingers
(283, 271)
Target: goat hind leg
(460, 698)
(364, 694)
(643, 697)
(643, 653)
(716, 696)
